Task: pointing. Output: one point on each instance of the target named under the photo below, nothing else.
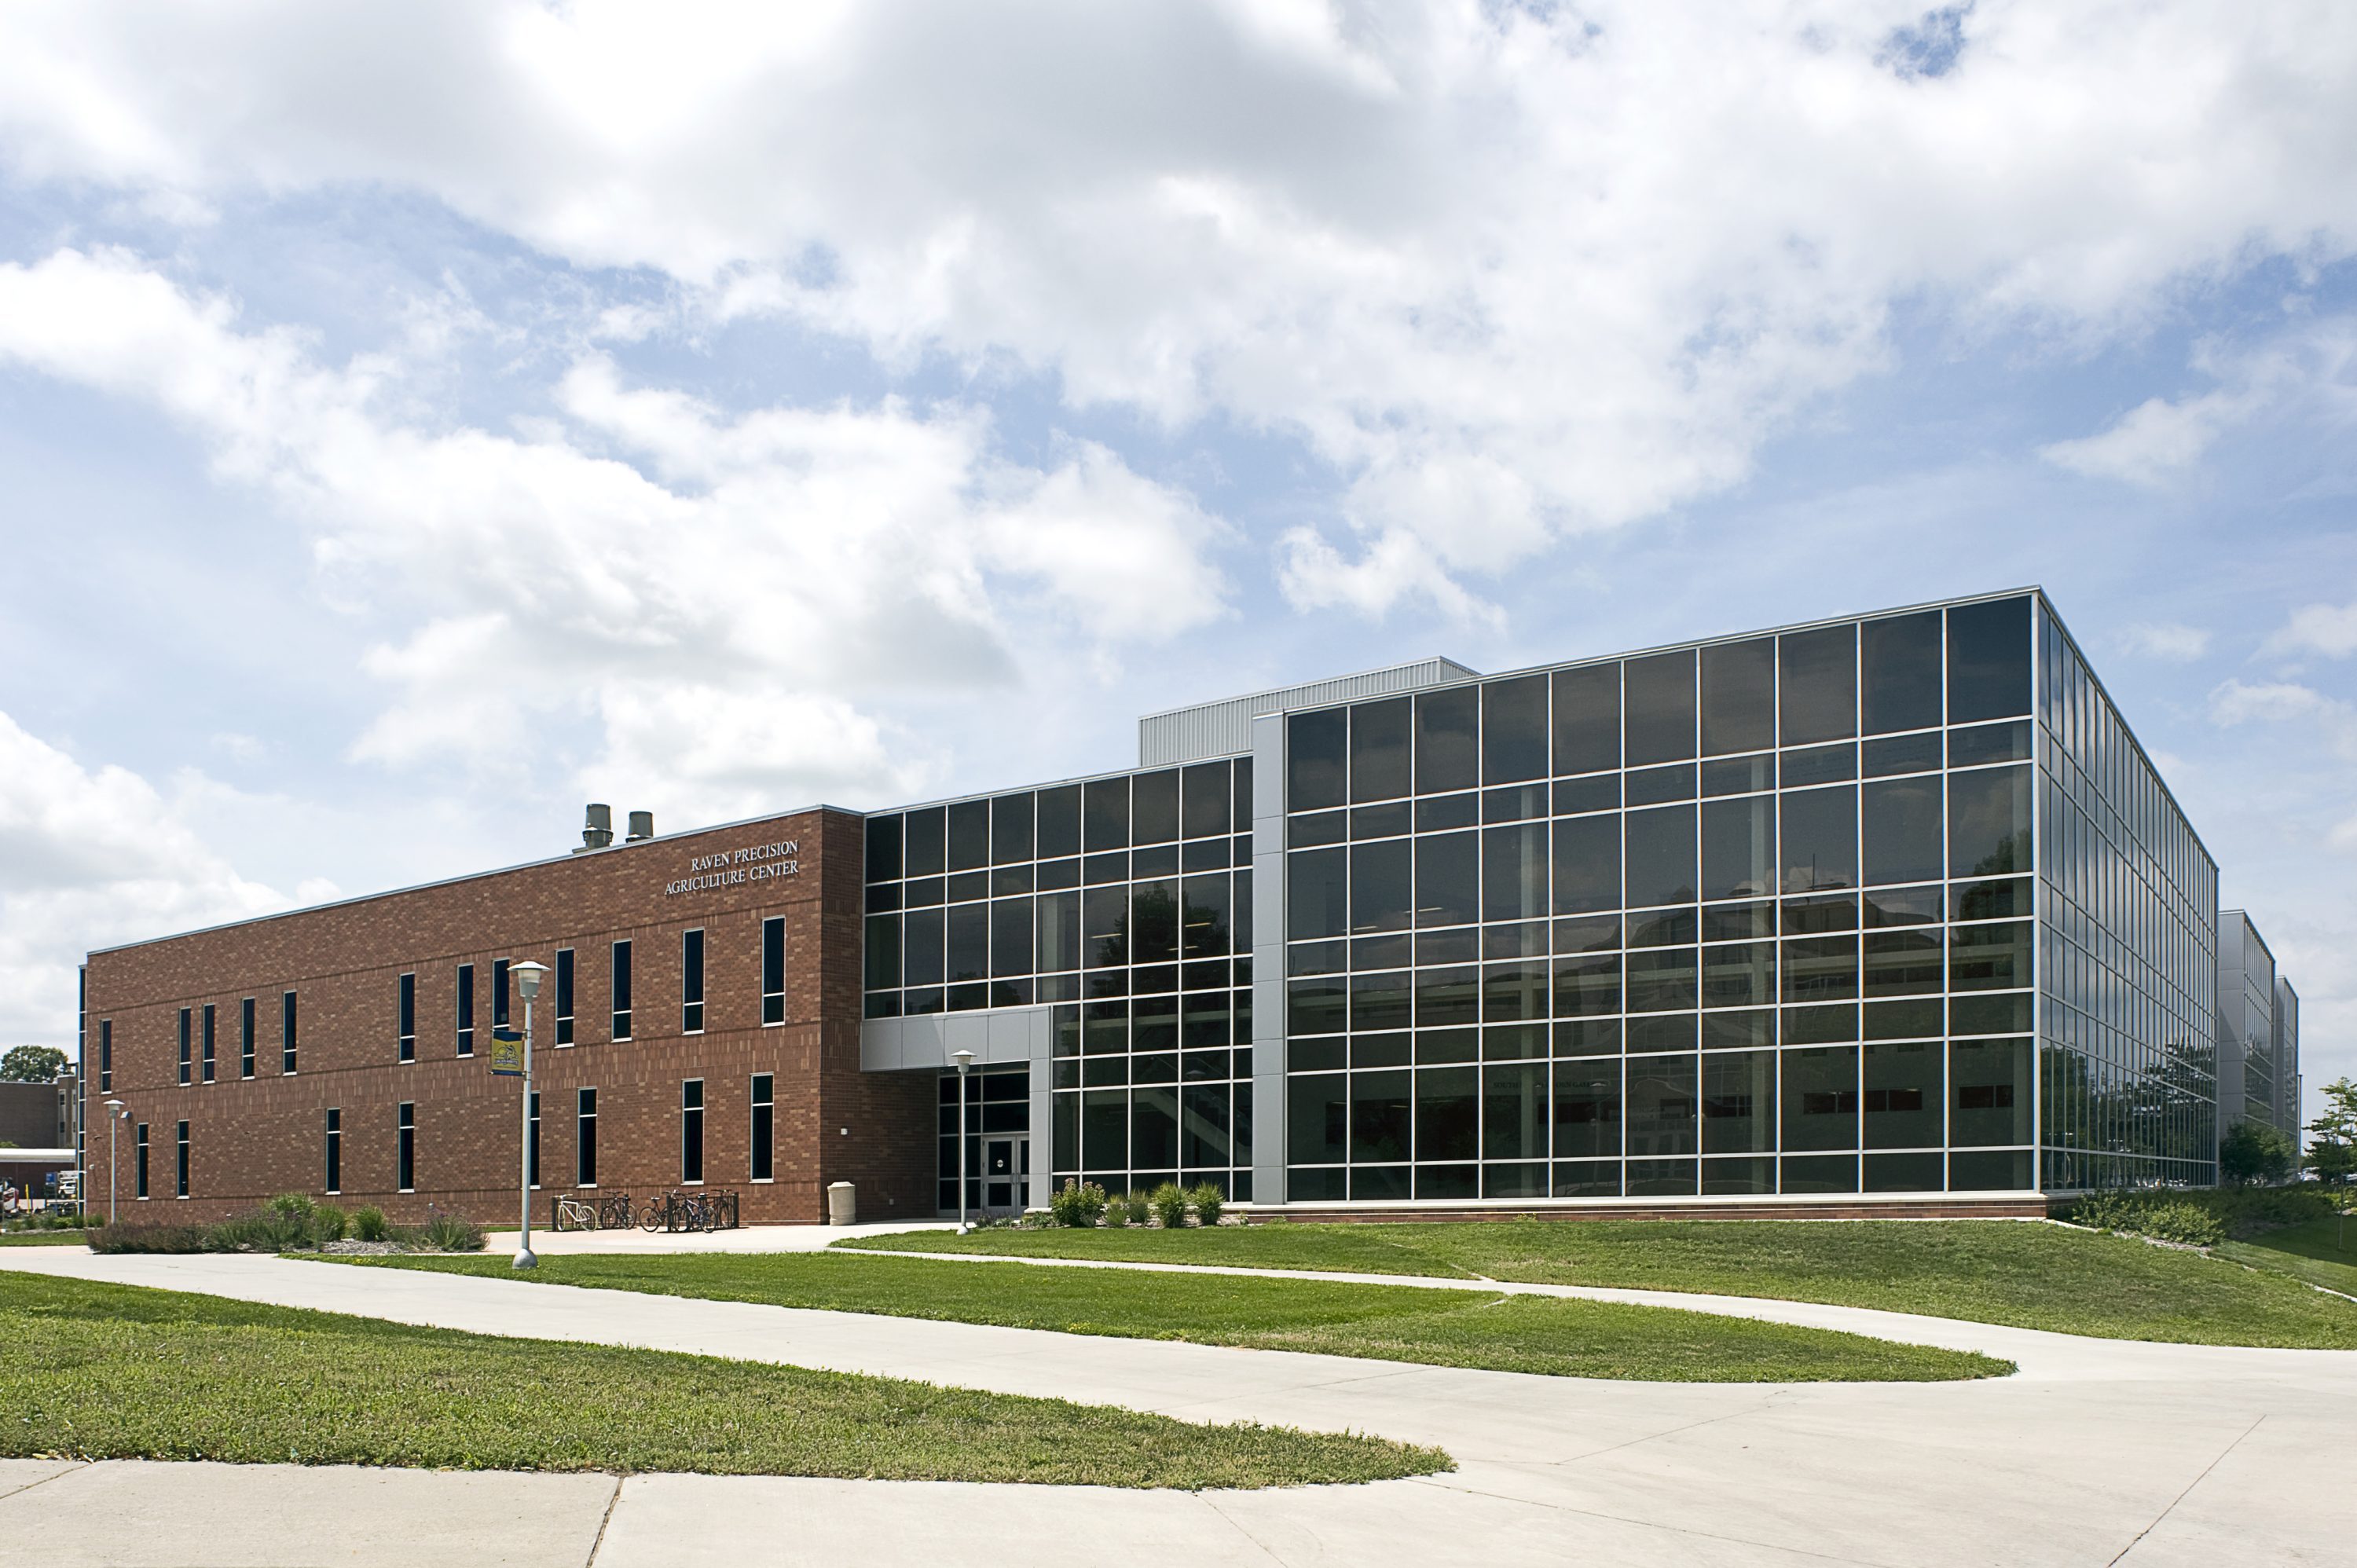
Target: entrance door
(1003, 1168)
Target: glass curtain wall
(1124, 904)
(2127, 1055)
(1744, 918)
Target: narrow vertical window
(465, 1009)
(499, 994)
(564, 996)
(764, 1113)
(621, 990)
(773, 969)
(335, 1150)
(408, 1017)
(585, 1138)
(691, 1130)
(212, 1020)
(691, 982)
(245, 1038)
(533, 1144)
(405, 1152)
(106, 1055)
(184, 1045)
(287, 1033)
(142, 1147)
(183, 1136)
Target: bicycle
(573, 1214)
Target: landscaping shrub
(368, 1224)
(162, 1238)
(450, 1233)
(328, 1223)
(1169, 1205)
(2165, 1216)
(1208, 1201)
(1135, 1205)
(1080, 1205)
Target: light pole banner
(507, 1054)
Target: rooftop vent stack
(642, 825)
(598, 830)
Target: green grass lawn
(2311, 1252)
(1393, 1323)
(100, 1371)
(2026, 1274)
(45, 1239)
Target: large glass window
(1447, 879)
(1587, 719)
(1988, 821)
(1380, 898)
(1903, 1095)
(969, 835)
(1661, 850)
(1010, 828)
(1899, 830)
(1204, 799)
(1380, 748)
(1060, 821)
(1514, 872)
(1515, 730)
(1738, 847)
(1154, 807)
(1660, 697)
(1899, 689)
(928, 842)
(1818, 692)
(1317, 750)
(1316, 894)
(1661, 1106)
(1448, 740)
(1988, 660)
(1739, 1103)
(1820, 839)
(1820, 1097)
(1738, 696)
(1105, 814)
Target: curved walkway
(2101, 1453)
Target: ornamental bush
(1080, 1205)
(368, 1223)
(1169, 1205)
(1208, 1201)
(1136, 1206)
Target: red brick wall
(250, 1139)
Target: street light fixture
(527, 976)
(114, 1114)
(965, 1059)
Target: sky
(419, 419)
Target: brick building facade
(190, 1033)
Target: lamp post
(115, 1113)
(964, 1060)
(527, 976)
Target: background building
(1890, 910)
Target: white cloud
(2328, 629)
(1514, 272)
(2167, 640)
(89, 857)
(2235, 702)
(787, 559)
(2344, 835)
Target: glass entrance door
(1005, 1163)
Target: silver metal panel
(1225, 728)
(1268, 959)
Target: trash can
(842, 1204)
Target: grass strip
(45, 1239)
(101, 1371)
(2023, 1274)
(2313, 1252)
(1390, 1323)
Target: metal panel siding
(1225, 728)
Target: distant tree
(32, 1064)
(2332, 1137)
(2255, 1152)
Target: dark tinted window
(1379, 749)
(926, 842)
(1660, 708)
(1587, 719)
(1447, 879)
(1661, 848)
(1819, 690)
(1738, 848)
(1105, 814)
(1315, 750)
(1899, 688)
(1988, 821)
(1988, 660)
(1010, 828)
(1203, 799)
(1060, 821)
(1314, 881)
(1820, 839)
(969, 835)
(1447, 747)
(1380, 900)
(1738, 697)
(1515, 730)
(1899, 830)
(1154, 807)
(883, 848)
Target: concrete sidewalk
(2105, 1452)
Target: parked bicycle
(573, 1214)
(679, 1210)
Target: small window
(621, 990)
(105, 1056)
(408, 1011)
(585, 1135)
(335, 1151)
(183, 1138)
(764, 1126)
(142, 1147)
(691, 1130)
(773, 969)
(691, 982)
(287, 1033)
(499, 990)
(245, 1038)
(564, 996)
(465, 1009)
(532, 1143)
(185, 1015)
(212, 1018)
(406, 1153)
